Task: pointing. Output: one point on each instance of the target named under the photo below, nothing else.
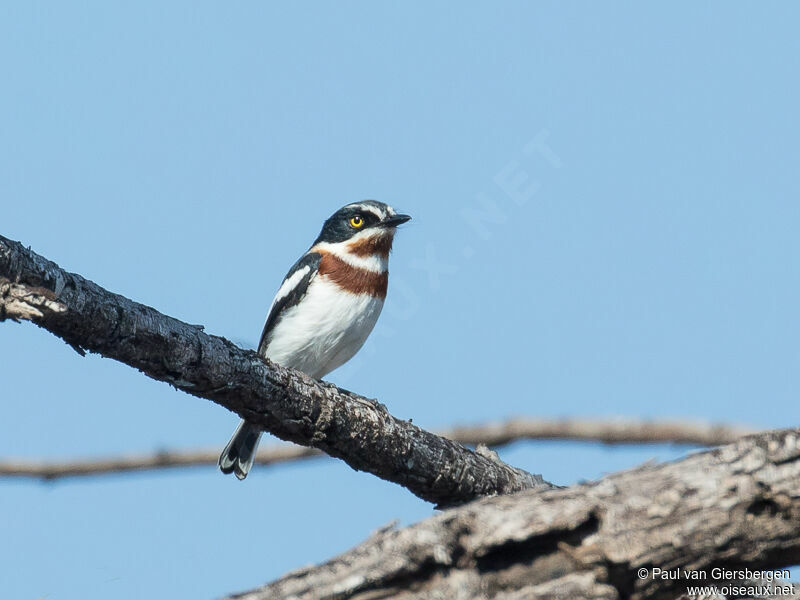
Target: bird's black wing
(287, 297)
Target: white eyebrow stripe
(369, 208)
(374, 210)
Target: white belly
(324, 330)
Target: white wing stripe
(288, 285)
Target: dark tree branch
(615, 431)
(282, 401)
(737, 506)
(734, 507)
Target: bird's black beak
(395, 220)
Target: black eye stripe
(337, 228)
(366, 218)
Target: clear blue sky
(185, 154)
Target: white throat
(374, 262)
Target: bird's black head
(354, 218)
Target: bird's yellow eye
(357, 222)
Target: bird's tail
(238, 455)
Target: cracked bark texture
(282, 401)
(734, 507)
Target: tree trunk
(732, 508)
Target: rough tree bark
(734, 507)
(282, 401)
(737, 506)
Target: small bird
(326, 306)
